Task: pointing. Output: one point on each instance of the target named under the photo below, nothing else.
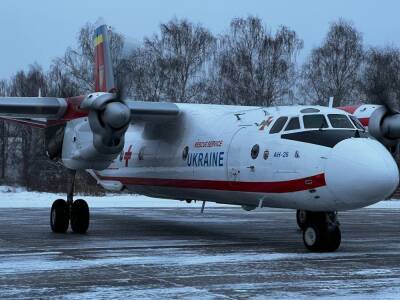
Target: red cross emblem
(128, 155)
(265, 123)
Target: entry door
(240, 165)
(233, 161)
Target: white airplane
(317, 160)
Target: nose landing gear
(321, 231)
(65, 212)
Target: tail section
(103, 70)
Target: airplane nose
(360, 172)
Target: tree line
(249, 64)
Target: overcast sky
(40, 30)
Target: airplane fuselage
(229, 154)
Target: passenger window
(293, 124)
(340, 121)
(357, 123)
(315, 121)
(278, 125)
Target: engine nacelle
(385, 126)
(94, 142)
(79, 151)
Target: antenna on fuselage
(330, 102)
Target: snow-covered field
(17, 197)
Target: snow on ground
(18, 197)
(394, 203)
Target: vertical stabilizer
(103, 71)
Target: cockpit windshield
(279, 123)
(293, 124)
(340, 121)
(357, 123)
(310, 122)
(315, 121)
(338, 128)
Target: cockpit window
(357, 123)
(315, 121)
(278, 125)
(293, 124)
(340, 121)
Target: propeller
(109, 118)
(381, 81)
(384, 123)
(116, 115)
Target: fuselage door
(242, 156)
(233, 161)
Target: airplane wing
(43, 112)
(39, 112)
(152, 111)
(33, 107)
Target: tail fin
(103, 70)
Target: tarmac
(178, 253)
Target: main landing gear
(321, 230)
(71, 212)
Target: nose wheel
(63, 213)
(321, 233)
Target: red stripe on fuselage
(288, 186)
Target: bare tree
(381, 76)
(30, 141)
(187, 47)
(4, 90)
(254, 66)
(169, 66)
(3, 133)
(333, 69)
(61, 83)
(28, 84)
(147, 73)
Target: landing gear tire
(80, 216)
(322, 232)
(301, 218)
(334, 239)
(59, 216)
(312, 238)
